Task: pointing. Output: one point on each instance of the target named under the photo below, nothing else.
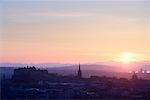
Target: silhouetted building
(134, 76)
(79, 72)
(29, 74)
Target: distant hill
(68, 69)
(40, 65)
(100, 68)
(106, 66)
(94, 70)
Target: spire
(134, 76)
(79, 72)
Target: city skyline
(74, 31)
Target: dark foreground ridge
(32, 83)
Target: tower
(134, 76)
(79, 72)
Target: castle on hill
(31, 74)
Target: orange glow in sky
(74, 31)
(127, 57)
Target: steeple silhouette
(134, 76)
(79, 72)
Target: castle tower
(79, 72)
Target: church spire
(134, 76)
(79, 72)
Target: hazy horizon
(101, 66)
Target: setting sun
(127, 57)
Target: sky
(69, 31)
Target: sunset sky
(38, 31)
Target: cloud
(60, 14)
(42, 16)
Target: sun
(126, 57)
